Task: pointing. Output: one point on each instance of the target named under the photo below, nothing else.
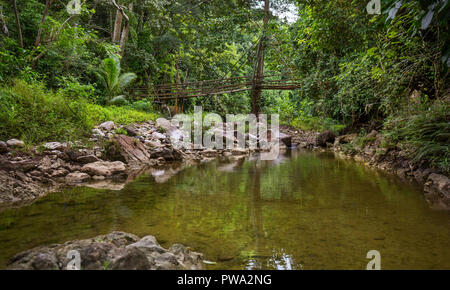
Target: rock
(151, 143)
(324, 138)
(437, 191)
(131, 149)
(3, 147)
(77, 177)
(14, 143)
(54, 146)
(175, 134)
(106, 184)
(169, 154)
(87, 159)
(59, 173)
(132, 259)
(163, 123)
(116, 251)
(98, 133)
(158, 136)
(130, 131)
(104, 168)
(107, 126)
(344, 139)
(239, 151)
(286, 139)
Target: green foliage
(119, 101)
(111, 78)
(425, 130)
(34, 114)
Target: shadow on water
(302, 211)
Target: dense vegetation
(62, 73)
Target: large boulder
(324, 138)
(116, 251)
(14, 143)
(104, 168)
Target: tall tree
(48, 3)
(19, 28)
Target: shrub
(34, 114)
(424, 129)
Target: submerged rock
(116, 251)
(77, 177)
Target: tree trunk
(48, 3)
(258, 74)
(125, 31)
(4, 28)
(19, 28)
(117, 26)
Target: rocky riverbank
(372, 151)
(115, 251)
(117, 154)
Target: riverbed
(305, 210)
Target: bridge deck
(216, 87)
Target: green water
(303, 211)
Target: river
(304, 210)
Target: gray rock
(131, 131)
(107, 126)
(98, 133)
(132, 259)
(158, 136)
(88, 159)
(116, 251)
(14, 143)
(59, 173)
(104, 168)
(54, 146)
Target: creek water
(304, 210)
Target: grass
(34, 114)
